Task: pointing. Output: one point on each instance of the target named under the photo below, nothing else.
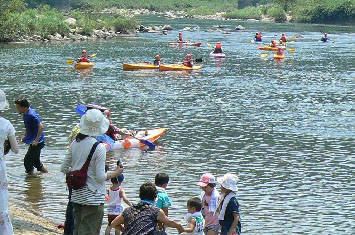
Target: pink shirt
(209, 218)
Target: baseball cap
(206, 179)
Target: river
(285, 127)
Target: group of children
(211, 213)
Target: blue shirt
(32, 120)
(233, 206)
(163, 199)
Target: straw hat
(93, 123)
(3, 102)
(229, 181)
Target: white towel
(221, 208)
(212, 206)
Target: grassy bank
(306, 11)
(17, 21)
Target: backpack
(77, 179)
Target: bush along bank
(46, 24)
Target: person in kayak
(84, 57)
(258, 37)
(157, 60)
(325, 38)
(189, 62)
(218, 48)
(283, 38)
(273, 43)
(179, 38)
(279, 51)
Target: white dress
(6, 130)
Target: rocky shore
(77, 35)
(29, 222)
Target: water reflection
(33, 190)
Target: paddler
(157, 60)
(218, 48)
(189, 62)
(283, 38)
(179, 38)
(84, 57)
(273, 43)
(325, 38)
(279, 51)
(258, 37)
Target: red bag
(77, 179)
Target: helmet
(84, 51)
(188, 56)
(157, 56)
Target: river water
(285, 127)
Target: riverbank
(29, 222)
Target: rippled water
(286, 128)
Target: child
(84, 57)
(218, 48)
(179, 38)
(283, 38)
(228, 206)
(115, 196)
(273, 43)
(194, 217)
(279, 51)
(189, 62)
(163, 201)
(258, 37)
(157, 60)
(209, 197)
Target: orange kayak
(84, 65)
(196, 44)
(269, 48)
(177, 67)
(130, 142)
(279, 57)
(139, 66)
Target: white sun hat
(93, 123)
(3, 102)
(229, 181)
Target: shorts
(213, 227)
(111, 218)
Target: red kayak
(195, 44)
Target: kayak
(218, 55)
(279, 57)
(269, 48)
(84, 65)
(131, 142)
(139, 66)
(196, 44)
(177, 67)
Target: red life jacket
(258, 37)
(218, 46)
(83, 59)
(283, 38)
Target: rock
(70, 21)
(218, 27)
(167, 27)
(239, 27)
(187, 29)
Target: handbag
(77, 179)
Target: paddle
(264, 55)
(209, 44)
(150, 145)
(72, 61)
(292, 50)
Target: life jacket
(258, 38)
(324, 39)
(273, 44)
(84, 59)
(180, 38)
(280, 52)
(188, 63)
(217, 50)
(283, 39)
(218, 46)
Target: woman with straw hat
(228, 206)
(88, 201)
(7, 132)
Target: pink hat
(206, 179)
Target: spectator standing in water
(33, 136)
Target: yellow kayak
(269, 48)
(177, 67)
(84, 65)
(279, 57)
(139, 66)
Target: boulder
(167, 27)
(239, 27)
(70, 21)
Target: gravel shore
(28, 222)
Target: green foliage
(245, 13)
(124, 24)
(324, 11)
(277, 12)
